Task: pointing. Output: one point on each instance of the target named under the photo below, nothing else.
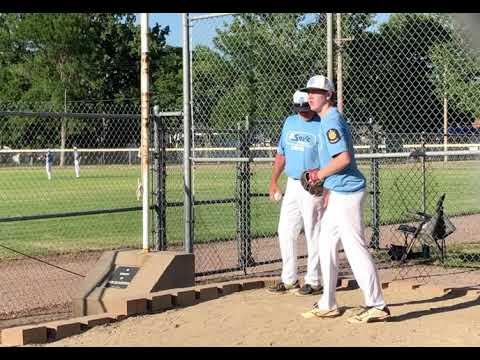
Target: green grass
(457, 255)
(26, 191)
(463, 255)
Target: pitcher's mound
(421, 316)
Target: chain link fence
(55, 222)
(416, 78)
(242, 85)
(408, 84)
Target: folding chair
(439, 227)
(411, 233)
(436, 228)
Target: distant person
(48, 164)
(16, 159)
(76, 161)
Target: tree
(390, 74)
(87, 56)
(255, 66)
(47, 59)
(167, 77)
(456, 75)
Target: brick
(397, 285)
(231, 288)
(435, 289)
(253, 284)
(185, 298)
(208, 293)
(270, 281)
(349, 284)
(119, 317)
(403, 285)
(22, 335)
(57, 330)
(139, 306)
(161, 303)
(95, 320)
(128, 307)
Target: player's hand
(313, 176)
(272, 190)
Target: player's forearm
(338, 163)
(278, 167)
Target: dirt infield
(33, 292)
(257, 318)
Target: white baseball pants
(77, 168)
(299, 210)
(343, 220)
(48, 169)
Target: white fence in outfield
(6, 154)
(472, 146)
(129, 156)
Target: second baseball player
(297, 152)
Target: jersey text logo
(301, 139)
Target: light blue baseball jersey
(299, 144)
(336, 138)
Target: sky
(174, 21)
(203, 30)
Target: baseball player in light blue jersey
(342, 219)
(297, 152)
(76, 161)
(48, 164)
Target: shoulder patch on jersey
(333, 136)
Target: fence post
(422, 159)
(187, 138)
(242, 197)
(330, 46)
(375, 188)
(160, 174)
(145, 128)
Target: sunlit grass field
(26, 191)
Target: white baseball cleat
(323, 314)
(371, 314)
(282, 288)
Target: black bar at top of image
(240, 6)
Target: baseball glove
(313, 187)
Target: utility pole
(63, 131)
(339, 43)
